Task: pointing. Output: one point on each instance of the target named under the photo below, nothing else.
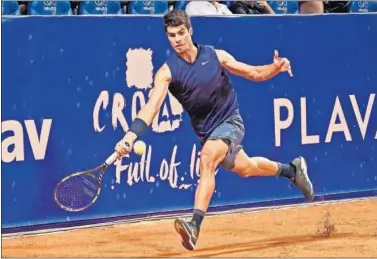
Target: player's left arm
(254, 73)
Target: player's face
(179, 38)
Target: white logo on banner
(149, 6)
(139, 75)
(13, 147)
(50, 6)
(100, 3)
(282, 6)
(170, 169)
(139, 71)
(101, 6)
(333, 126)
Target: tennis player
(195, 75)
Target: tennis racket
(78, 191)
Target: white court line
(152, 219)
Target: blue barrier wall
(72, 85)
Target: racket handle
(111, 159)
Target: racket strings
(77, 192)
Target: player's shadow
(227, 249)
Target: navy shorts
(231, 131)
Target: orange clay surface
(347, 229)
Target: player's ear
(190, 31)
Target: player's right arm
(254, 73)
(147, 113)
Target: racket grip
(111, 159)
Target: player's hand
(282, 63)
(123, 147)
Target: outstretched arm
(147, 113)
(254, 73)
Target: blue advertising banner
(71, 87)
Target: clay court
(344, 229)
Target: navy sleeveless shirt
(204, 90)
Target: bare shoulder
(223, 56)
(163, 73)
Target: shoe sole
(304, 167)
(185, 234)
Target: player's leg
(296, 171)
(246, 166)
(213, 152)
(238, 161)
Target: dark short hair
(176, 18)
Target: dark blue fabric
(204, 89)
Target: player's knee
(207, 165)
(250, 169)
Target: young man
(195, 76)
